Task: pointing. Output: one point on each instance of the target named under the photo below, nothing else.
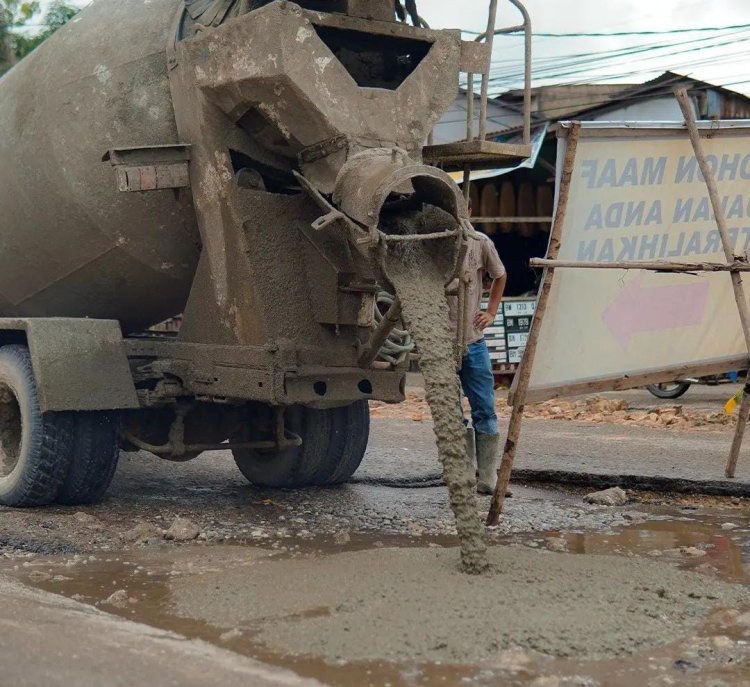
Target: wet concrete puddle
(716, 652)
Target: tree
(17, 38)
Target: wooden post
(524, 371)
(739, 432)
(739, 291)
(651, 266)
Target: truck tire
(350, 433)
(36, 448)
(95, 454)
(293, 467)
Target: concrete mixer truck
(229, 160)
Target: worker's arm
(482, 320)
(494, 267)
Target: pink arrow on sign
(639, 309)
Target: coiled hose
(399, 343)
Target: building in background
(525, 192)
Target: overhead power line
(614, 34)
(595, 65)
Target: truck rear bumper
(329, 386)
(169, 368)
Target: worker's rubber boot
(488, 460)
(471, 456)
(471, 448)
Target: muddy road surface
(360, 584)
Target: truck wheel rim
(10, 431)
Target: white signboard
(636, 193)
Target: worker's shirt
(481, 257)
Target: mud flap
(78, 363)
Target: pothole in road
(622, 613)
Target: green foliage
(17, 37)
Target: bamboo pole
(524, 370)
(654, 266)
(739, 291)
(739, 431)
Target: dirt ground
(595, 409)
(359, 584)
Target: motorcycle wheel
(668, 389)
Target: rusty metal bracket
(396, 238)
(324, 220)
(150, 168)
(323, 149)
(333, 214)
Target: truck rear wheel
(95, 454)
(36, 448)
(333, 444)
(350, 433)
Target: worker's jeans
(479, 386)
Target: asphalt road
(600, 454)
(212, 493)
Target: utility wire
(612, 34)
(716, 41)
(603, 75)
(599, 60)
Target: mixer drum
(71, 244)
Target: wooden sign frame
(735, 265)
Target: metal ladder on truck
(476, 152)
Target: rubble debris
(182, 529)
(693, 551)
(119, 599)
(229, 635)
(594, 409)
(341, 538)
(141, 532)
(614, 496)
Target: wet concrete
(711, 540)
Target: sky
(721, 57)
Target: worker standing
(476, 376)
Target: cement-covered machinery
(229, 160)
